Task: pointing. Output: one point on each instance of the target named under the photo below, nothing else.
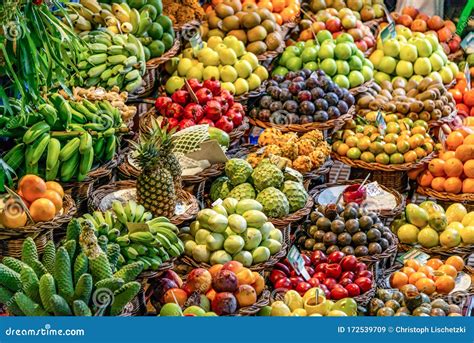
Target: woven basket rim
(445, 196)
(462, 251)
(295, 216)
(157, 61)
(443, 120)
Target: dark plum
(264, 115)
(306, 72)
(266, 101)
(339, 92)
(253, 113)
(349, 99)
(307, 108)
(311, 83)
(317, 93)
(333, 112)
(324, 81)
(293, 118)
(279, 118)
(285, 84)
(331, 98)
(274, 91)
(276, 106)
(285, 95)
(306, 119)
(290, 106)
(278, 78)
(320, 73)
(304, 96)
(296, 87)
(290, 75)
(342, 106)
(272, 83)
(299, 78)
(330, 87)
(321, 104)
(321, 116)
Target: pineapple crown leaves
(88, 240)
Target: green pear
(227, 56)
(254, 81)
(213, 41)
(261, 72)
(173, 84)
(241, 86)
(210, 72)
(229, 86)
(244, 68)
(208, 57)
(195, 72)
(184, 65)
(251, 58)
(228, 74)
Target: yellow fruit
(450, 238)
(468, 219)
(456, 226)
(467, 235)
(455, 213)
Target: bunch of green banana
(153, 244)
(69, 139)
(142, 18)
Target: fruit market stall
(234, 158)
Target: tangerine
(444, 284)
(278, 5)
(415, 277)
(32, 187)
(455, 261)
(398, 279)
(468, 186)
(426, 285)
(55, 198)
(453, 167)
(434, 263)
(412, 264)
(42, 210)
(457, 95)
(446, 155)
(469, 168)
(436, 167)
(448, 270)
(54, 186)
(427, 270)
(454, 140)
(438, 183)
(408, 271)
(425, 179)
(453, 185)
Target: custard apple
(220, 188)
(242, 191)
(296, 195)
(274, 202)
(238, 170)
(267, 175)
(293, 175)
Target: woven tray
(149, 82)
(269, 56)
(362, 88)
(293, 217)
(237, 133)
(155, 62)
(464, 198)
(151, 274)
(463, 251)
(252, 310)
(335, 123)
(97, 195)
(257, 267)
(390, 213)
(444, 120)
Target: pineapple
(155, 185)
(303, 164)
(305, 147)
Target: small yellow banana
(92, 5)
(120, 13)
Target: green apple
(343, 51)
(230, 40)
(357, 52)
(446, 74)
(294, 63)
(344, 37)
(391, 47)
(254, 81)
(422, 66)
(251, 58)
(311, 66)
(329, 66)
(244, 68)
(343, 67)
(356, 78)
(433, 39)
(454, 68)
(368, 73)
(387, 64)
(408, 53)
(309, 54)
(241, 86)
(210, 72)
(342, 81)
(280, 70)
(401, 39)
(294, 50)
(229, 86)
(227, 56)
(285, 56)
(208, 57)
(436, 62)
(173, 84)
(236, 45)
(195, 72)
(326, 51)
(404, 68)
(424, 47)
(228, 74)
(417, 78)
(381, 76)
(367, 63)
(403, 31)
(355, 63)
(213, 41)
(261, 72)
(436, 76)
(184, 65)
(323, 35)
(188, 53)
(442, 54)
(310, 43)
(376, 57)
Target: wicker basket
(444, 120)
(244, 98)
(391, 176)
(257, 267)
(236, 134)
(267, 57)
(335, 123)
(463, 251)
(294, 217)
(362, 88)
(152, 274)
(97, 195)
(385, 213)
(445, 199)
(157, 61)
(12, 239)
(149, 82)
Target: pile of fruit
(313, 304)
(302, 97)
(430, 226)
(337, 275)
(44, 201)
(235, 230)
(270, 183)
(427, 100)
(366, 10)
(412, 56)
(64, 139)
(352, 230)
(303, 154)
(463, 95)
(254, 26)
(141, 18)
(156, 244)
(408, 301)
(445, 30)
(221, 290)
(339, 58)
(207, 103)
(66, 281)
(225, 60)
(337, 22)
(453, 171)
(433, 276)
(402, 141)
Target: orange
(446, 155)
(266, 4)
(434, 263)
(53, 185)
(468, 186)
(398, 279)
(32, 187)
(427, 270)
(457, 95)
(278, 5)
(448, 270)
(468, 98)
(453, 167)
(469, 168)
(425, 285)
(462, 109)
(415, 277)
(412, 264)
(410, 156)
(288, 14)
(408, 270)
(425, 179)
(455, 261)
(453, 185)
(13, 216)
(438, 184)
(55, 199)
(42, 210)
(436, 167)
(444, 284)
(469, 140)
(454, 140)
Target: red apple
(283, 283)
(321, 267)
(330, 283)
(310, 270)
(318, 257)
(345, 281)
(225, 124)
(364, 284)
(303, 287)
(348, 275)
(361, 45)
(349, 263)
(365, 273)
(333, 24)
(314, 282)
(172, 122)
(296, 280)
(203, 95)
(333, 270)
(360, 267)
(195, 84)
(353, 290)
(338, 293)
(320, 276)
(276, 275)
(223, 102)
(213, 85)
(336, 257)
(283, 267)
(181, 97)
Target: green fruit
(329, 66)
(267, 175)
(416, 215)
(155, 31)
(234, 244)
(260, 254)
(171, 310)
(296, 195)
(255, 218)
(275, 204)
(408, 233)
(165, 23)
(167, 40)
(238, 170)
(157, 48)
(252, 238)
(428, 237)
